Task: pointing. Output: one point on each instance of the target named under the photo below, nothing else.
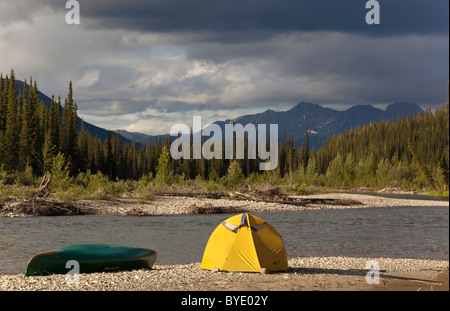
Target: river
(397, 232)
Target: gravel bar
(304, 274)
(160, 205)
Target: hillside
(93, 129)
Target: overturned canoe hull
(91, 258)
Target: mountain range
(322, 123)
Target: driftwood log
(43, 187)
(48, 208)
(208, 195)
(210, 209)
(297, 201)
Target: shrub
(60, 173)
(164, 172)
(26, 178)
(234, 178)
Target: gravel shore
(304, 274)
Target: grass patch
(438, 193)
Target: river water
(397, 232)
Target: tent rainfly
(245, 243)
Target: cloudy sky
(144, 65)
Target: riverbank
(304, 274)
(170, 205)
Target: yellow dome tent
(245, 243)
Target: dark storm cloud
(234, 20)
(141, 59)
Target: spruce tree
(133, 160)
(444, 164)
(109, 157)
(24, 138)
(83, 148)
(305, 155)
(420, 164)
(120, 163)
(447, 115)
(11, 139)
(34, 130)
(3, 103)
(55, 121)
(69, 132)
(48, 152)
(3, 114)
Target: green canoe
(91, 258)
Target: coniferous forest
(410, 153)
